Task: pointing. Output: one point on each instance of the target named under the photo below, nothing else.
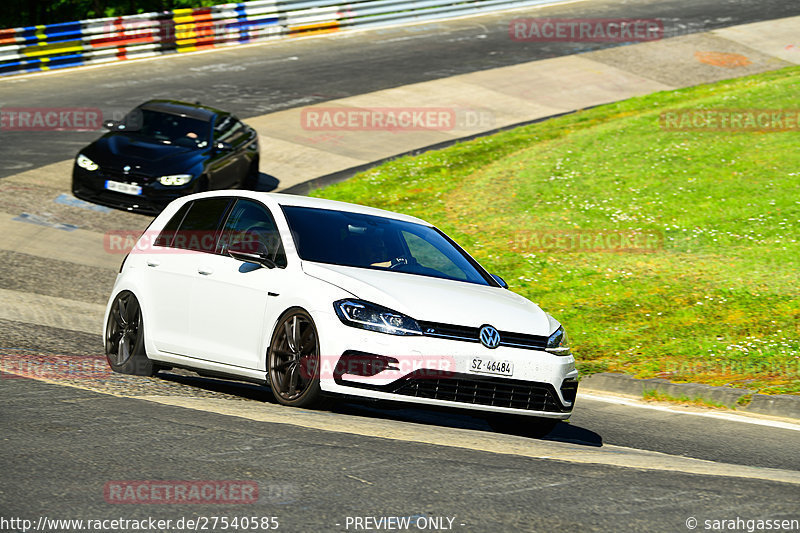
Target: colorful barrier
(86, 42)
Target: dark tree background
(17, 13)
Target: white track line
(730, 417)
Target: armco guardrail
(86, 42)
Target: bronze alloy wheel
(294, 360)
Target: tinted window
(227, 129)
(167, 234)
(427, 255)
(167, 128)
(373, 242)
(200, 226)
(250, 227)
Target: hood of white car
(437, 300)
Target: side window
(200, 227)
(250, 227)
(168, 233)
(227, 129)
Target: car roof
(307, 201)
(184, 109)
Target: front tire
(124, 341)
(294, 361)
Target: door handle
(152, 263)
(205, 271)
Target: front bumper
(435, 371)
(90, 186)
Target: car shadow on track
(452, 418)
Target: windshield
(166, 128)
(367, 241)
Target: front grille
(494, 392)
(469, 334)
(119, 200)
(448, 331)
(130, 177)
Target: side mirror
(253, 253)
(223, 147)
(500, 280)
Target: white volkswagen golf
(318, 298)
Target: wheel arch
(134, 289)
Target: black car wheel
(125, 337)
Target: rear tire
(524, 426)
(293, 361)
(124, 341)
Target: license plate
(125, 188)
(481, 365)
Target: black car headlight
(86, 163)
(365, 315)
(558, 342)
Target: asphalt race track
(618, 465)
(265, 78)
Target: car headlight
(175, 179)
(365, 315)
(558, 343)
(85, 162)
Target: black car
(164, 149)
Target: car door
(228, 163)
(172, 267)
(229, 302)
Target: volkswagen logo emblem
(489, 337)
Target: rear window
(168, 233)
(198, 229)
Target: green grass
(717, 303)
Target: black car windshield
(367, 241)
(166, 128)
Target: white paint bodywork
(215, 313)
